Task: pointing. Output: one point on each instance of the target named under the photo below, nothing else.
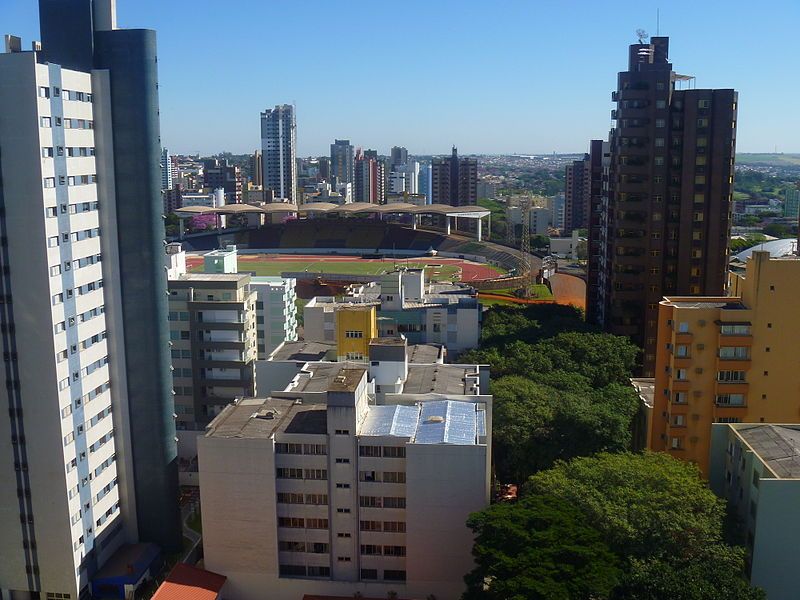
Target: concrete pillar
(414, 222)
(181, 227)
(479, 229)
(447, 220)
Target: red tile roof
(186, 582)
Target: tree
(538, 548)
(777, 230)
(582, 250)
(646, 504)
(659, 517)
(741, 244)
(534, 424)
(717, 576)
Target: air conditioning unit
(663, 436)
(695, 417)
(702, 322)
(701, 346)
(697, 393)
(694, 439)
(664, 414)
(698, 370)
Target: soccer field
(435, 269)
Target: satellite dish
(642, 35)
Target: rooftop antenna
(658, 21)
(642, 35)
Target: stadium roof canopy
(470, 212)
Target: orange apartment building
(730, 359)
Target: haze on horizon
(524, 77)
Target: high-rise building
(324, 164)
(166, 170)
(369, 178)
(727, 359)
(791, 203)
(257, 169)
(404, 178)
(597, 224)
(217, 173)
(398, 156)
(342, 156)
(582, 182)
(89, 460)
(212, 329)
(454, 180)
(667, 209)
(278, 146)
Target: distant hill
(775, 160)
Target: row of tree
(594, 520)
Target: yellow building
(728, 359)
(355, 327)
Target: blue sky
(525, 76)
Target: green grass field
(267, 267)
(538, 291)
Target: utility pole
(525, 244)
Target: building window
(735, 329)
(734, 352)
(394, 575)
(731, 376)
(730, 400)
(353, 334)
(371, 451)
(369, 574)
(394, 452)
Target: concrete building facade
(756, 469)
(337, 495)
(405, 305)
(278, 151)
(727, 359)
(276, 312)
(668, 204)
(73, 447)
(342, 157)
(454, 180)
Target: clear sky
(502, 76)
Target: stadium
(334, 248)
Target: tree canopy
(618, 526)
(538, 548)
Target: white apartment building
(338, 495)
(278, 150)
(276, 312)
(63, 431)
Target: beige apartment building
(730, 359)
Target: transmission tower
(525, 244)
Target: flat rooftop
(424, 353)
(439, 379)
(302, 351)
(333, 377)
(726, 303)
(435, 422)
(646, 387)
(777, 445)
(260, 418)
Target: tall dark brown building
(663, 224)
(576, 194)
(454, 180)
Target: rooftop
(325, 377)
(259, 418)
(723, 302)
(777, 445)
(424, 353)
(439, 379)
(186, 582)
(434, 422)
(645, 387)
(303, 351)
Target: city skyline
(532, 85)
